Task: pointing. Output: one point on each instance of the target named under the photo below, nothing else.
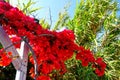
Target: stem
(47, 35)
(11, 45)
(96, 44)
(5, 41)
(34, 56)
(50, 17)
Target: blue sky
(55, 6)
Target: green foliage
(28, 7)
(7, 0)
(0, 45)
(77, 72)
(89, 18)
(96, 26)
(62, 20)
(44, 24)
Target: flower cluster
(5, 59)
(51, 48)
(99, 66)
(16, 41)
(53, 51)
(87, 57)
(43, 78)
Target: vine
(50, 49)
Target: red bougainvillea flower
(47, 66)
(31, 72)
(52, 49)
(5, 6)
(99, 66)
(5, 59)
(43, 78)
(16, 41)
(85, 56)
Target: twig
(46, 35)
(12, 45)
(107, 34)
(50, 17)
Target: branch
(50, 17)
(5, 41)
(34, 56)
(50, 35)
(106, 35)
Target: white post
(21, 58)
(6, 42)
(21, 74)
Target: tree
(96, 26)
